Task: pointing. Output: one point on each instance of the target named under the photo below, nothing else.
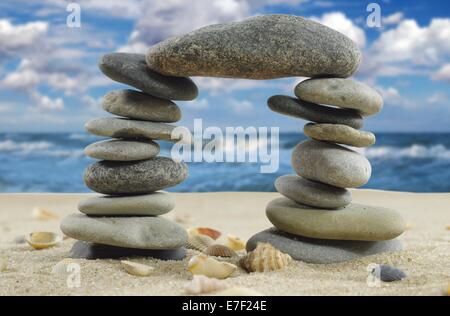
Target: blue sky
(49, 80)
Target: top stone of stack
(261, 47)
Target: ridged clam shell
(43, 214)
(219, 251)
(214, 234)
(202, 264)
(42, 240)
(389, 274)
(199, 242)
(137, 269)
(235, 243)
(201, 284)
(265, 258)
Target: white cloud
(225, 85)
(18, 38)
(442, 74)
(438, 98)
(241, 107)
(394, 18)
(393, 97)
(339, 22)
(44, 102)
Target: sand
(426, 259)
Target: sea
(55, 162)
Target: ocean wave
(37, 148)
(414, 151)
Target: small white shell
(43, 214)
(137, 269)
(198, 242)
(213, 233)
(201, 284)
(235, 243)
(238, 291)
(42, 240)
(202, 264)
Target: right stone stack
(316, 221)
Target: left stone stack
(124, 222)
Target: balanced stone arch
(315, 221)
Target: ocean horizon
(55, 162)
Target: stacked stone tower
(124, 221)
(316, 221)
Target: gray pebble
(122, 150)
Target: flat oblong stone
(260, 47)
(352, 222)
(344, 93)
(140, 106)
(122, 150)
(126, 232)
(331, 164)
(314, 112)
(130, 129)
(313, 250)
(134, 177)
(312, 193)
(90, 251)
(132, 69)
(338, 133)
(152, 204)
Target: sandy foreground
(426, 259)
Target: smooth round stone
(153, 204)
(338, 133)
(136, 177)
(122, 150)
(141, 106)
(260, 47)
(125, 128)
(352, 222)
(321, 250)
(345, 93)
(91, 251)
(312, 193)
(313, 112)
(126, 232)
(132, 69)
(331, 164)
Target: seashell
(137, 269)
(201, 284)
(214, 234)
(42, 240)
(202, 264)
(61, 267)
(387, 273)
(43, 214)
(265, 258)
(3, 265)
(235, 243)
(198, 242)
(219, 251)
(238, 291)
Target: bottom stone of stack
(91, 251)
(139, 232)
(321, 250)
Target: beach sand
(426, 259)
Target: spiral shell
(265, 258)
(137, 269)
(219, 251)
(202, 264)
(201, 284)
(42, 240)
(235, 243)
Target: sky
(49, 80)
